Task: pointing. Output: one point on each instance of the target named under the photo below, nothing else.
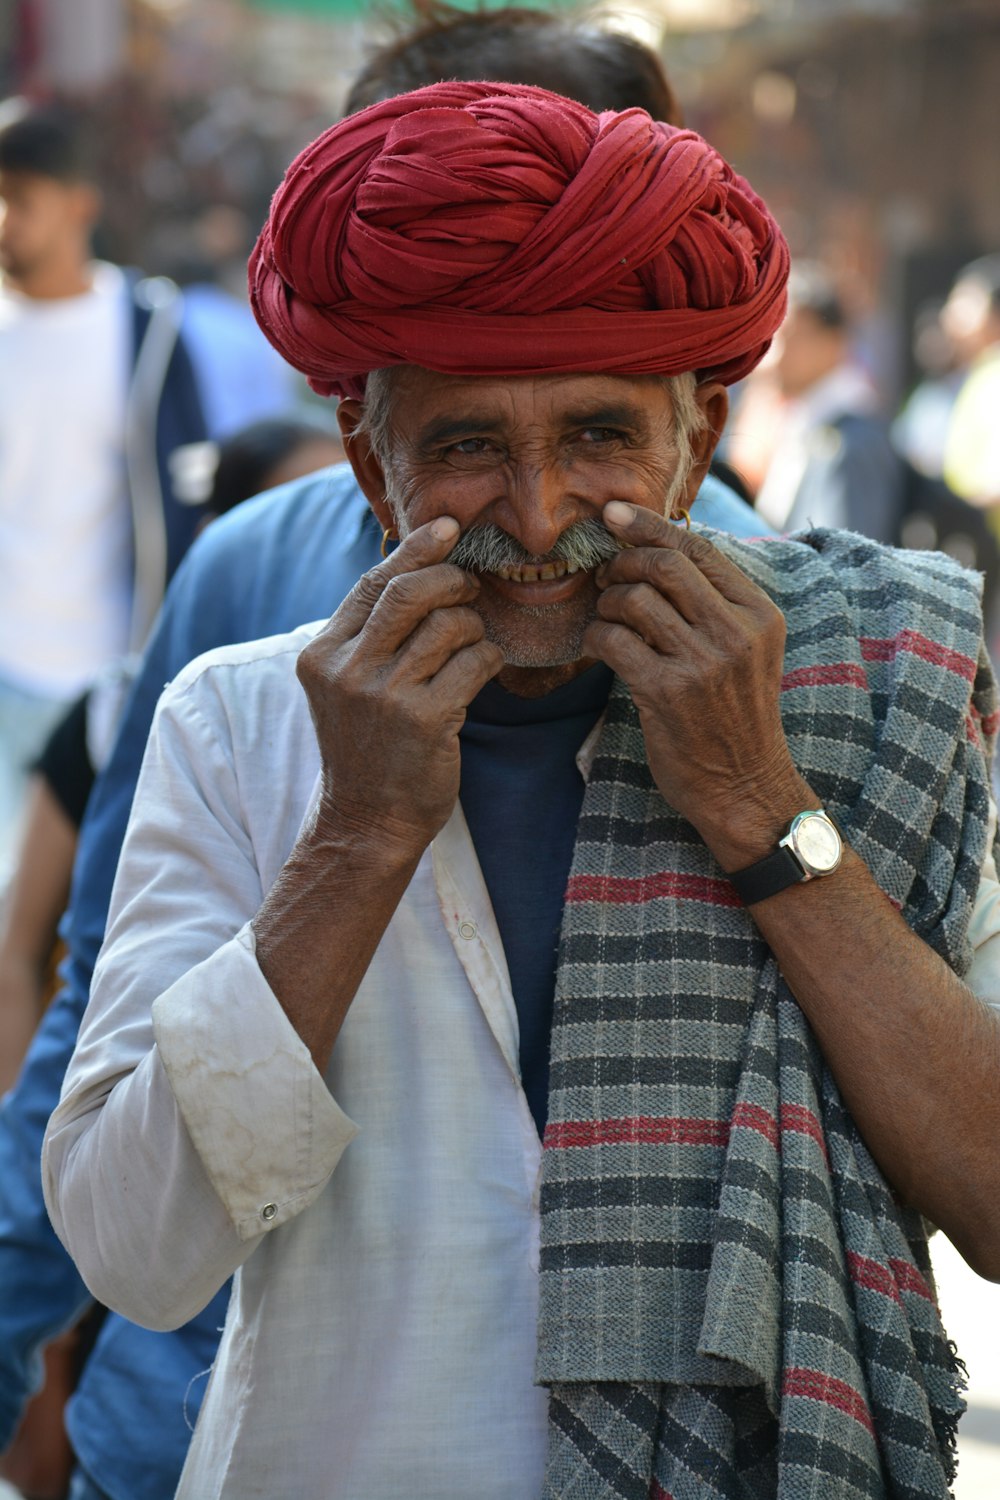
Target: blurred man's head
(48, 201)
(971, 315)
(268, 453)
(814, 338)
(601, 69)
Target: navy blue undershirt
(521, 793)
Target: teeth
(537, 573)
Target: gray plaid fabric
(733, 1306)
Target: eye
(602, 435)
(474, 451)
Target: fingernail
(619, 513)
(445, 528)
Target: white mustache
(488, 548)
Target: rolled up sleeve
(258, 1113)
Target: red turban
(494, 229)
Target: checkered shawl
(733, 1305)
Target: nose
(537, 507)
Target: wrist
(749, 827)
(343, 831)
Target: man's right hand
(388, 682)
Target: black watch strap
(768, 876)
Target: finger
(670, 575)
(656, 620)
(618, 646)
(641, 527)
(438, 637)
(407, 601)
(425, 546)
(466, 673)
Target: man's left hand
(701, 649)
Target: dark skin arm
(388, 683)
(915, 1054)
(29, 922)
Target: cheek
(642, 482)
(466, 496)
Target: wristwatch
(812, 847)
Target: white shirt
(64, 520)
(381, 1344)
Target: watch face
(817, 844)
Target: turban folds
(498, 229)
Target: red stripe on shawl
(753, 1117)
(909, 1279)
(826, 1388)
(918, 645)
(793, 1117)
(832, 674)
(972, 731)
(648, 1130)
(636, 1130)
(868, 1273)
(633, 891)
(657, 1492)
(796, 1117)
(989, 723)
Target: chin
(521, 649)
(543, 635)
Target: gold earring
(390, 534)
(686, 515)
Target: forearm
(322, 920)
(915, 1054)
(21, 991)
(29, 922)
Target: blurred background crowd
(872, 128)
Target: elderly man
(330, 1024)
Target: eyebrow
(611, 414)
(450, 429)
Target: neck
(53, 281)
(535, 682)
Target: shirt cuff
(258, 1111)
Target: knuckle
(368, 589)
(312, 662)
(698, 548)
(443, 625)
(400, 590)
(664, 563)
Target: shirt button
(467, 929)
(268, 1211)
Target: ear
(367, 468)
(713, 399)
